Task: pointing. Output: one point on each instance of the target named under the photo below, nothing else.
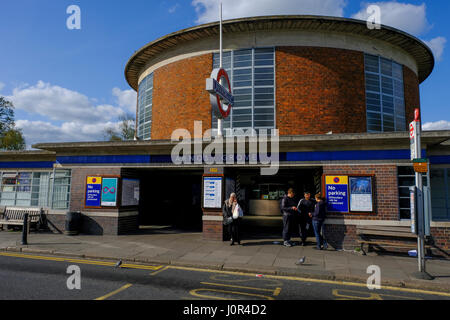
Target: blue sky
(68, 85)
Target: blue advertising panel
(336, 188)
(93, 191)
(109, 192)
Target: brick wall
(385, 189)
(78, 189)
(179, 96)
(213, 230)
(319, 90)
(441, 238)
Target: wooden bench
(387, 236)
(13, 216)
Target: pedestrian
(289, 209)
(318, 218)
(232, 214)
(305, 208)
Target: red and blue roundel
(221, 97)
(336, 180)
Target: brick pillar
(213, 218)
(212, 226)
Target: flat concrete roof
(421, 53)
(354, 141)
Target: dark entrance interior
(261, 197)
(171, 199)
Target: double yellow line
(80, 261)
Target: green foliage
(11, 138)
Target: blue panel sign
(336, 188)
(93, 191)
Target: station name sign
(222, 100)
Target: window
(61, 189)
(385, 103)
(25, 189)
(440, 194)
(144, 112)
(406, 179)
(252, 74)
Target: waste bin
(73, 223)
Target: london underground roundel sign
(221, 97)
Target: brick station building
(340, 95)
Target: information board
(361, 196)
(212, 192)
(93, 191)
(336, 189)
(130, 192)
(109, 192)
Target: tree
(125, 131)
(6, 115)
(11, 138)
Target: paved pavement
(257, 256)
(33, 277)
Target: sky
(69, 85)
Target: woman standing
(231, 221)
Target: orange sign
(420, 167)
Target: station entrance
(170, 199)
(261, 196)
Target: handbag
(227, 220)
(237, 212)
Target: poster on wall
(109, 192)
(212, 192)
(93, 191)
(336, 189)
(361, 197)
(130, 192)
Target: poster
(109, 192)
(336, 189)
(130, 192)
(361, 194)
(212, 192)
(93, 191)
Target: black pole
(25, 229)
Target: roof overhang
(326, 142)
(421, 53)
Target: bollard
(25, 230)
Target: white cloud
(404, 16)
(437, 45)
(126, 99)
(71, 115)
(208, 10)
(41, 131)
(174, 8)
(437, 125)
(61, 104)
(2, 85)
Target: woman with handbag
(232, 213)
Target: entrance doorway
(261, 197)
(171, 199)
